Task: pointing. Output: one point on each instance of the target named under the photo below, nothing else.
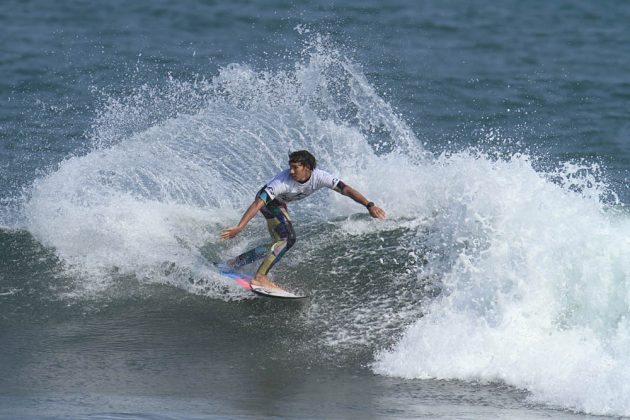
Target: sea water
(494, 136)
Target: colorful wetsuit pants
(281, 231)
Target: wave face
(488, 269)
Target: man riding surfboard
(298, 182)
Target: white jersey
(285, 189)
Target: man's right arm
(249, 214)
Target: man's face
(299, 172)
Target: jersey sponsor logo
(293, 196)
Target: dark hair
(303, 157)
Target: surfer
(298, 182)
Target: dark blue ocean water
(495, 135)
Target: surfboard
(244, 279)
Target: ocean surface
(496, 136)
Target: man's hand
(231, 232)
(377, 212)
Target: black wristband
(369, 205)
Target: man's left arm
(347, 190)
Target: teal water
(495, 136)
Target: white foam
(535, 289)
(174, 164)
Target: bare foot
(264, 281)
